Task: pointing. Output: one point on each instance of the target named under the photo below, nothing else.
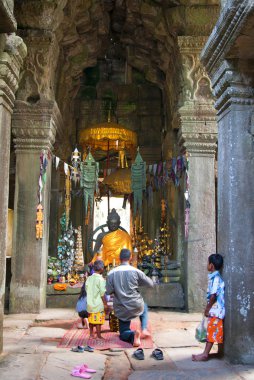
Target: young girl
(81, 308)
(95, 288)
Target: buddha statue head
(113, 220)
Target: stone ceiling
(64, 37)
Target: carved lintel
(198, 131)
(191, 44)
(35, 126)
(11, 61)
(231, 87)
(232, 19)
(40, 14)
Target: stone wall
(12, 53)
(228, 57)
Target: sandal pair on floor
(82, 349)
(157, 354)
(82, 371)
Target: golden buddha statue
(111, 241)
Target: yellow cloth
(95, 289)
(97, 318)
(113, 242)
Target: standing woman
(95, 288)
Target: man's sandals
(139, 354)
(156, 354)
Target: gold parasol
(119, 181)
(108, 136)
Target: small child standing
(215, 309)
(95, 288)
(81, 308)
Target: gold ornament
(122, 159)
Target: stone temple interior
(160, 68)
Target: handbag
(113, 322)
(201, 330)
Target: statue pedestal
(61, 299)
(163, 295)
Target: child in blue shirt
(215, 308)
(81, 308)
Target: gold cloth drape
(113, 242)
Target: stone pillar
(228, 58)
(198, 138)
(236, 208)
(34, 128)
(10, 62)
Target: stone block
(8, 23)
(164, 295)
(171, 272)
(61, 299)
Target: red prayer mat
(80, 337)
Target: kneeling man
(124, 281)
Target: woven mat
(80, 337)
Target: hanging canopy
(108, 136)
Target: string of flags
(148, 178)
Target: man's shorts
(214, 330)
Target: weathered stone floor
(30, 352)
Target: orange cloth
(113, 242)
(214, 330)
(60, 286)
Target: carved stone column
(231, 72)
(10, 62)
(34, 128)
(198, 138)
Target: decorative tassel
(39, 222)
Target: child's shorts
(214, 330)
(83, 314)
(97, 318)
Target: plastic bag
(201, 330)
